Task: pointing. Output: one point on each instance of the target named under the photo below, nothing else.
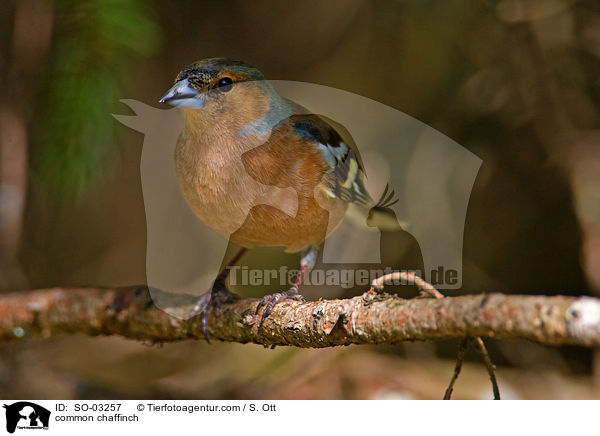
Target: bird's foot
(269, 301)
(218, 295)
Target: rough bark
(367, 319)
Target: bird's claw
(269, 301)
(214, 298)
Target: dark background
(514, 81)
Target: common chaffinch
(232, 113)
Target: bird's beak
(183, 95)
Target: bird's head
(220, 89)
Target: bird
(240, 139)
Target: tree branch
(367, 319)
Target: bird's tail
(382, 215)
(377, 214)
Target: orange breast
(288, 161)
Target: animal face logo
(26, 415)
(430, 175)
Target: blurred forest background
(517, 82)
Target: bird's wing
(345, 179)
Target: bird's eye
(224, 84)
